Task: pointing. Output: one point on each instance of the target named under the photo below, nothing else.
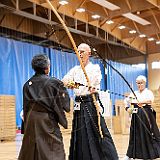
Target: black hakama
(144, 140)
(86, 143)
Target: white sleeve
(97, 76)
(69, 76)
(150, 96)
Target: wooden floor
(9, 149)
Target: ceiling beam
(1, 20)
(129, 5)
(152, 47)
(156, 20)
(156, 3)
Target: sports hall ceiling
(33, 21)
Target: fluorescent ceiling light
(63, 2)
(136, 18)
(156, 65)
(142, 35)
(96, 16)
(80, 10)
(106, 4)
(151, 39)
(132, 31)
(121, 27)
(140, 65)
(157, 42)
(109, 22)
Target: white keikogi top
(76, 74)
(145, 95)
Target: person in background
(86, 142)
(144, 142)
(45, 101)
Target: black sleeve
(64, 98)
(61, 102)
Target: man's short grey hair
(40, 62)
(141, 78)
